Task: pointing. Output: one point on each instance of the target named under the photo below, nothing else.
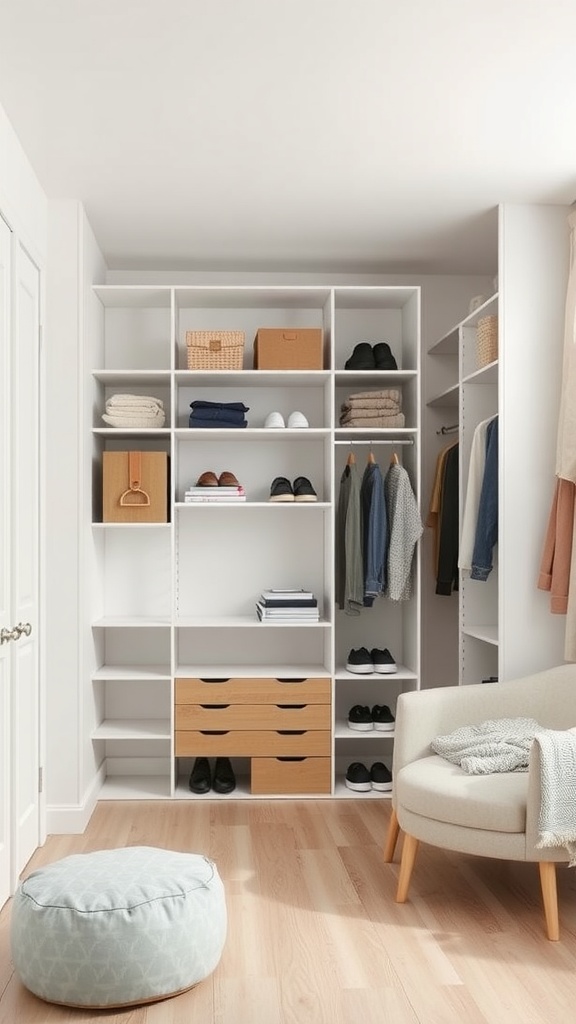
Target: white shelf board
(139, 673)
(341, 790)
(250, 433)
(448, 343)
(241, 621)
(134, 296)
(252, 378)
(489, 634)
(185, 505)
(135, 787)
(447, 399)
(389, 434)
(372, 378)
(250, 297)
(252, 671)
(241, 792)
(119, 378)
(131, 526)
(131, 431)
(342, 732)
(131, 622)
(373, 296)
(484, 375)
(133, 729)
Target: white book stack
(216, 495)
(287, 606)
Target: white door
(19, 501)
(25, 511)
(5, 574)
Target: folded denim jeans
(199, 421)
(235, 406)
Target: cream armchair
(436, 802)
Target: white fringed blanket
(557, 821)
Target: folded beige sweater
(393, 393)
(354, 420)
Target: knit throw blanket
(503, 745)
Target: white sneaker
(274, 420)
(297, 419)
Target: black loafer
(383, 357)
(362, 358)
(200, 781)
(303, 490)
(224, 778)
(281, 490)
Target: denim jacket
(487, 522)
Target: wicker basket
(487, 340)
(215, 350)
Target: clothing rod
(449, 430)
(373, 443)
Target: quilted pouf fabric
(118, 927)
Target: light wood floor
(315, 935)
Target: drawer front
(252, 691)
(251, 743)
(302, 775)
(252, 716)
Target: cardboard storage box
(134, 487)
(283, 348)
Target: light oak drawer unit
(252, 691)
(278, 775)
(252, 716)
(252, 743)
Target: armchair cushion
(436, 789)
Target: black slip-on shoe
(281, 489)
(383, 357)
(380, 777)
(382, 718)
(362, 358)
(303, 490)
(358, 777)
(200, 781)
(383, 661)
(360, 661)
(360, 718)
(224, 779)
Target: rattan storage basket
(215, 350)
(487, 340)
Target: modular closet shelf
(242, 622)
(132, 729)
(364, 378)
(343, 732)
(402, 673)
(489, 634)
(206, 503)
(483, 375)
(132, 622)
(341, 790)
(135, 787)
(268, 671)
(122, 378)
(251, 378)
(251, 433)
(133, 673)
(378, 435)
(131, 431)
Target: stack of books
(287, 606)
(215, 494)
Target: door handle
(24, 627)
(15, 633)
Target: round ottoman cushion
(116, 927)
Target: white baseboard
(72, 819)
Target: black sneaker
(200, 780)
(380, 777)
(383, 357)
(362, 358)
(382, 717)
(383, 661)
(360, 661)
(281, 489)
(224, 778)
(358, 777)
(360, 718)
(303, 490)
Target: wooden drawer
(251, 743)
(252, 691)
(252, 716)
(300, 775)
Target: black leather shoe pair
(282, 490)
(201, 781)
(368, 357)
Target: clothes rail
(449, 430)
(396, 443)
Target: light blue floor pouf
(118, 927)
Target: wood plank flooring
(315, 936)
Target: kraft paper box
(134, 487)
(284, 348)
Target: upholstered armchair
(495, 815)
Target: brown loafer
(227, 480)
(207, 479)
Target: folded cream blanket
(378, 405)
(393, 393)
(126, 401)
(378, 420)
(497, 745)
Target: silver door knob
(24, 627)
(9, 634)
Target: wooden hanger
(351, 459)
(371, 459)
(394, 459)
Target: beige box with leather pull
(134, 487)
(286, 348)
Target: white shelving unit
(505, 629)
(176, 601)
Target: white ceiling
(337, 134)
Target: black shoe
(360, 718)
(383, 357)
(224, 778)
(360, 661)
(303, 490)
(383, 718)
(380, 777)
(200, 781)
(281, 490)
(383, 661)
(358, 777)
(362, 358)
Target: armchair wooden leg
(550, 898)
(391, 838)
(409, 851)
